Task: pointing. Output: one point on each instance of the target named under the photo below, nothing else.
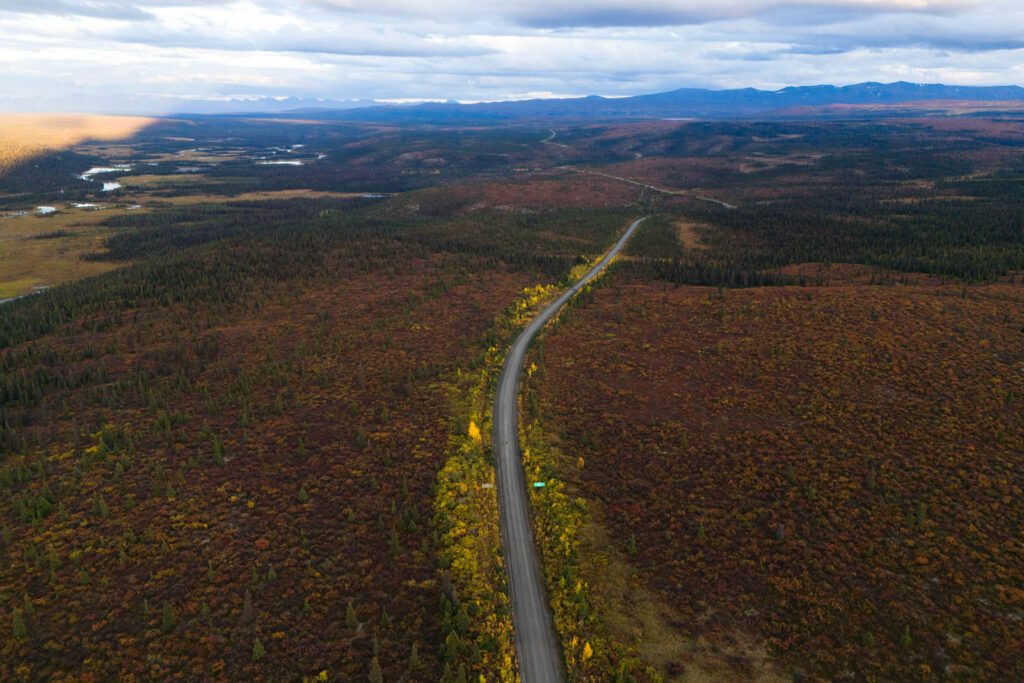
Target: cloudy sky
(146, 54)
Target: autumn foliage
(239, 489)
(258, 446)
(833, 469)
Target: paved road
(549, 140)
(682, 193)
(540, 658)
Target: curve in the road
(540, 659)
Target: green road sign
(539, 484)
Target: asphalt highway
(537, 647)
(682, 193)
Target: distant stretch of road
(683, 193)
(549, 140)
(540, 659)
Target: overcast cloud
(143, 54)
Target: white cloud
(490, 49)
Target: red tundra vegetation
(232, 496)
(836, 470)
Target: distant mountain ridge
(679, 103)
(685, 103)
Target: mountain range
(862, 98)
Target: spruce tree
(167, 620)
(376, 675)
(247, 610)
(18, 627)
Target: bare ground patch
(636, 617)
(688, 235)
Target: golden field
(39, 251)
(24, 135)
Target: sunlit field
(24, 135)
